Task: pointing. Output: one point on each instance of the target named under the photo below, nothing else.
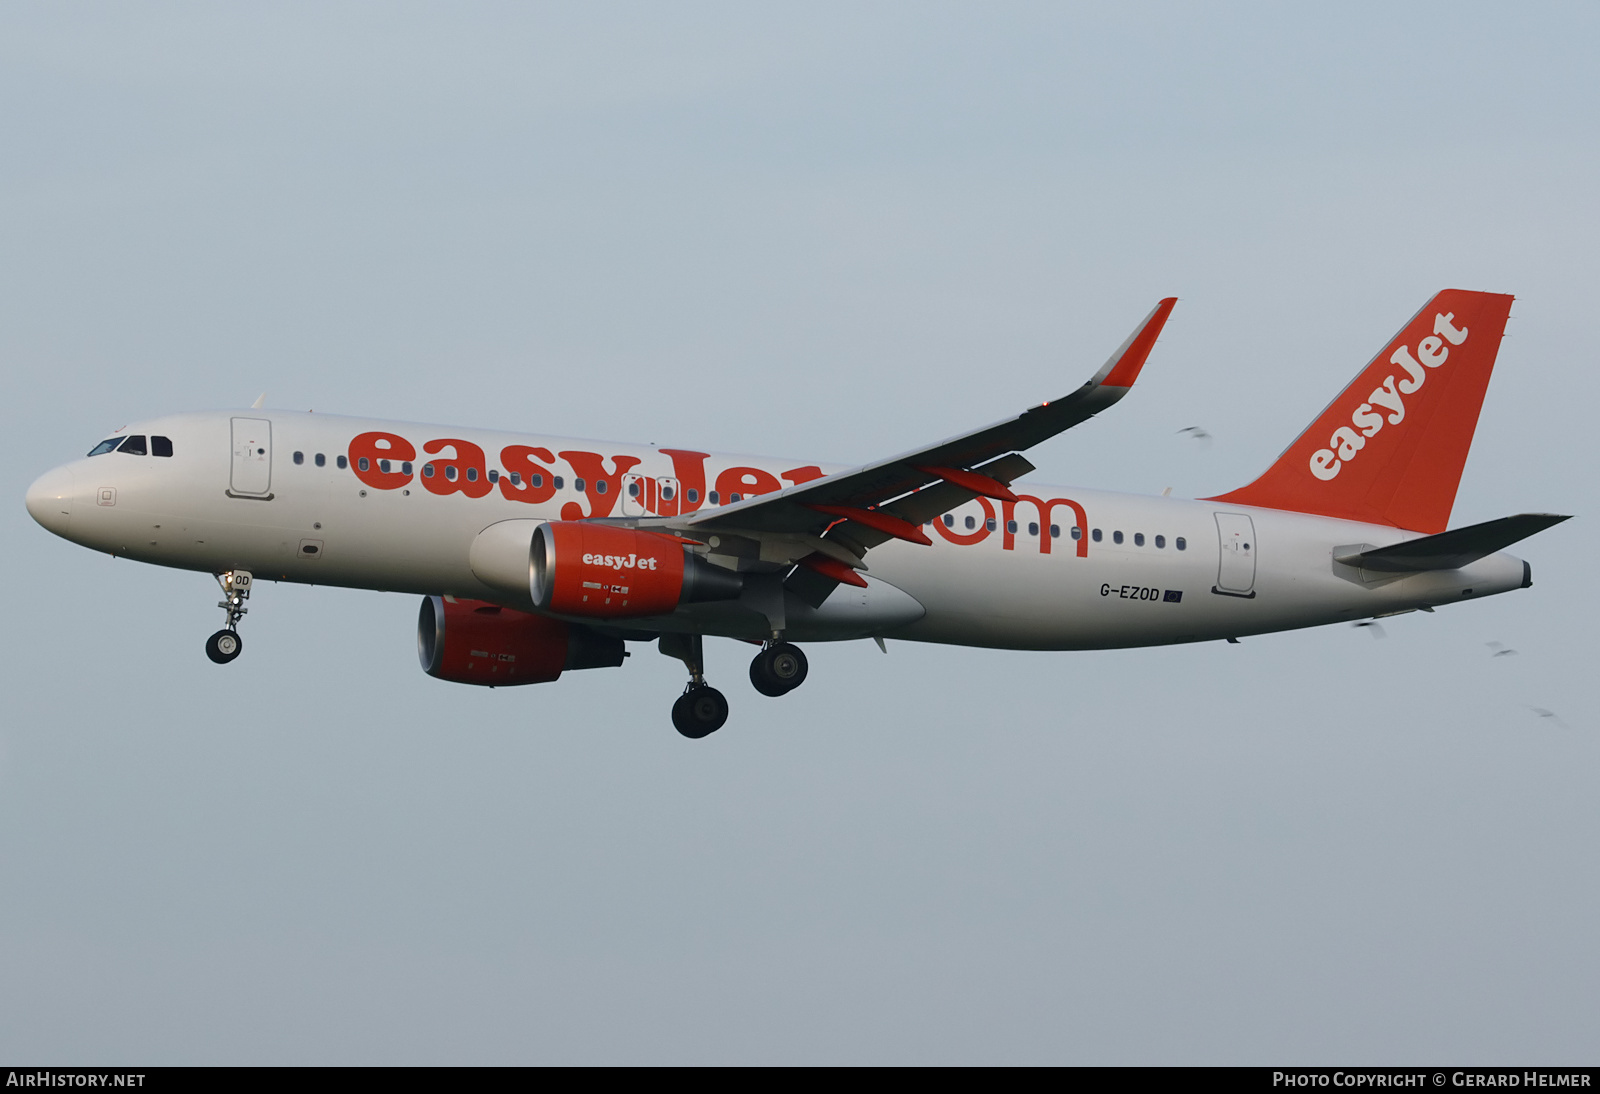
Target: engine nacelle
(604, 572)
(474, 642)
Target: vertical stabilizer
(1390, 448)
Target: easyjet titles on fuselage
(384, 461)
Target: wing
(827, 525)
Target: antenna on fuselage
(260, 401)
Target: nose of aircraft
(50, 499)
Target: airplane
(535, 555)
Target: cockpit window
(105, 446)
(134, 445)
(160, 446)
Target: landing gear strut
(778, 669)
(701, 710)
(226, 644)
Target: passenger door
(252, 458)
(1236, 573)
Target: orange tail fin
(1390, 448)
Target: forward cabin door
(1236, 573)
(252, 458)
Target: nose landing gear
(778, 669)
(226, 644)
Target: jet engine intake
(474, 642)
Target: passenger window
(1138, 539)
(1011, 526)
(1033, 527)
(1116, 537)
(472, 474)
(1055, 531)
(1161, 541)
(133, 446)
(405, 468)
(666, 493)
(577, 484)
(161, 446)
(1077, 533)
(450, 472)
(949, 521)
(494, 476)
(600, 486)
(694, 495)
(633, 489)
(427, 470)
(383, 465)
(299, 457)
(714, 498)
(971, 523)
(988, 525)
(516, 479)
(343, 463)
(363, 464)
(735, 498)
(105, 446)
(560, 482)
(1095, 535)
(321, 460)
(1180, 544)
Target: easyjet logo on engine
(1385, 402)
(619, 562)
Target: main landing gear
(701, 710)
(226, 644)
(778, 669)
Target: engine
(474, 642)
(603, 572)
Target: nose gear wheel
(224, 646)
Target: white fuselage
(1120, 570)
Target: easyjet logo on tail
(1386, 403)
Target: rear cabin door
(1236, 573)
(252, 458)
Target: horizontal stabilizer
(1454, 549)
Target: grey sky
(821, 231)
